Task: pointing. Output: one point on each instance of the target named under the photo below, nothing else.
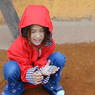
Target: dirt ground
(78, 76)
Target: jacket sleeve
(47, 51)
(16, 52)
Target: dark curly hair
(25, 31)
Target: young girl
(31, 57)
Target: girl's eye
(34, 31)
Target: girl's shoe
(60, 92)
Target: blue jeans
(16, 87)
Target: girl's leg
(12, 75)
(53, 85)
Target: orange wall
(62, 9)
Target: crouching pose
(32, 59)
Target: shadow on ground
(78, 76)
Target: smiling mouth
(37, 40)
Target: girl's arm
(18, 53)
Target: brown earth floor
(78, 76)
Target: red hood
(36, 14)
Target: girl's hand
(37, 77)
(53, 69)
(49, 69)
(34, 76)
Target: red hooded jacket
(21, 50)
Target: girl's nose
(37, 35)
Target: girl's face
(37, 35)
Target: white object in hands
(49, 69)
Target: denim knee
(11, 70)
(58, 59)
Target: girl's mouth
(37, 40)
